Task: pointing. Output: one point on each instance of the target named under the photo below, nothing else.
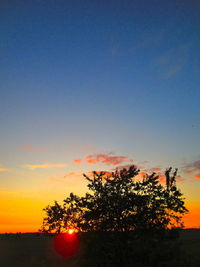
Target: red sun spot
(66, 244)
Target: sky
(95, 85)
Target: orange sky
(22, 211)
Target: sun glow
(66, 244)
(71, 231)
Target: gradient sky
(93, 85)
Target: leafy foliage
(120, 202)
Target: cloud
(3, 169)
(77, 161)
(145, 162)
(172, 70)
(193, 168)
(154, 169)
(197, 176)
(31, 148)
(44, 166)
(108, 158)
(76, 175)
(103, 158)
(173, 61)
(73, 174)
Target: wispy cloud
(44, 166)
(31, 148)
(156, 169)
(77, 161)
(70, 176)
(108, 158)
(3, 169)
(192, 168)
(173, 70)
(73, 174)
(173, 61)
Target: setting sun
(71, 231)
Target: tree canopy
(120, 201)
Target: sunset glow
(95, 86)
(71, 231)
(66, 246)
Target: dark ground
(35, 250)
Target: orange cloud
(44, 166)
(197, 176)
(77, 161)
(102, 158)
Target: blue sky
(90, 70)
(88, 77)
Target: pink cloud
(105, 158)
(109, 159)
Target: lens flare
(66, 244)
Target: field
(32, 250)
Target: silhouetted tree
(120, 202)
